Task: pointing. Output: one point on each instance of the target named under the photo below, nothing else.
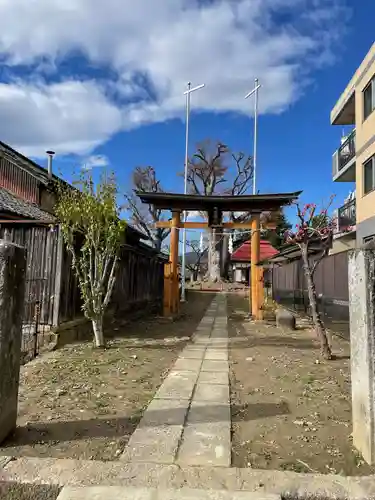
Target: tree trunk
(213, 258)
(224, 264)
(320, 330)
(97, 326)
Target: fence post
(58, 277)
(361, 274)
(12, 290)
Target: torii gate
(215, 206)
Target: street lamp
(187, 93)
(255, 91)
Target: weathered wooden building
(52, 297)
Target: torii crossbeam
(215, 207)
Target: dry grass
(83, 403)
(296, 408)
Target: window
(369, 175)
(369, 98)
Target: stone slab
(191, 365)
(193, 352)
(217, 354)
(178, 385)
(202, 413)
(129, 493)
(204, 328)
(153, 444)
(213, 378)
(218, 343)
(215, 366)
(219, 335)
(289, 484)
(201, 340)
(165, 412)
(106, 492)
(206, 444)
(195, 494)
(212, 393)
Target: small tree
(93, 233)
(144, 217)
(313, 228)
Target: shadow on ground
(117, 427)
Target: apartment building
(354, 159)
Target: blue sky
(105, 85)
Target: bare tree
(194, 265)
(206, 169)
(313, 228)
(144, 217)
(210, 172)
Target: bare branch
(144, 217)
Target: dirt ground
(16, 491)
(83, 403)
(295, 409)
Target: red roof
(243, 253)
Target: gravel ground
(290, 409)
(15, 491)
(83, 403)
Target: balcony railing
(346, 151)
(347, 216)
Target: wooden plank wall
(41, 245)
(139, 279)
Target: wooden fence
(139, 280)
(52, 294)
(331, 281)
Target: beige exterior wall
(354, 82)
(365, 147)
(365, 131)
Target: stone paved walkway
(188, 421)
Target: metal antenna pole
(183, 274)
(255, 134)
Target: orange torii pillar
(256, 281)
(174, 288)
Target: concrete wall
(342, 245)
(361, 271)
(365, 228)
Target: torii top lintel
(250, 203)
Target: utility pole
(255, 91)
(187, 93)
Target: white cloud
(95, 161)
(222, 43)
(68, 117)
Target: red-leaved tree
(314, 229)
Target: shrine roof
(250, 203)
(243, 253)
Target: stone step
(121, 493)
(86, 473)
